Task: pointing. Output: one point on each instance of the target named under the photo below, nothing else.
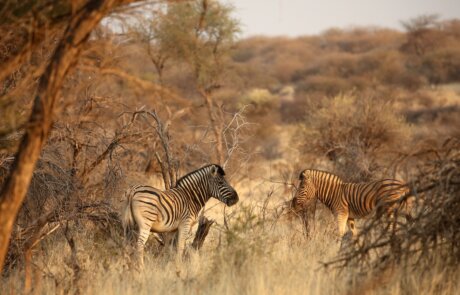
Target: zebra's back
(363, 198)
(152, 207)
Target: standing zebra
(350, 201)
(151, 209)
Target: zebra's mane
(219, 169)
(336, 177)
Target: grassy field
(261, 252)
(278, 261)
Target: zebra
(150, 209)
(350, 201)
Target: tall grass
(254, 255)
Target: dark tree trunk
(204, 225)
(39, 125)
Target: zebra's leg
(392, 219)
(144, 233)
(342, 219)
(184, 230)
(389, 214)
(408, 206)
(352, 227)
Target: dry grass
(258, 253)
(252, 257)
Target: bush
(442, 66)
(328, 85)
(262, 100)
(355, 134)
(432, 236)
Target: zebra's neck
(328, 186)
(194, 187)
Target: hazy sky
(305, 17)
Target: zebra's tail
(128, 218)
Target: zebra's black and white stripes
(350, 201)
(151, 209)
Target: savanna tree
(200, 33)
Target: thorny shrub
(433, 233)
(354, 133)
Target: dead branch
(431, 232)
(163, 134)
(204, 225)
(144, 84)
(169, 165)
(119, 139)
(232, 135)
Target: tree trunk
(39, 125)
(204, 226)
(216, 125)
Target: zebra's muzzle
(232, 201)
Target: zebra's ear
(217, 170)
(214, 170)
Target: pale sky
(307, 17)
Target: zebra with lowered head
(350, 201)
(150, 209)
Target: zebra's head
(219, 187)
(305, 195)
